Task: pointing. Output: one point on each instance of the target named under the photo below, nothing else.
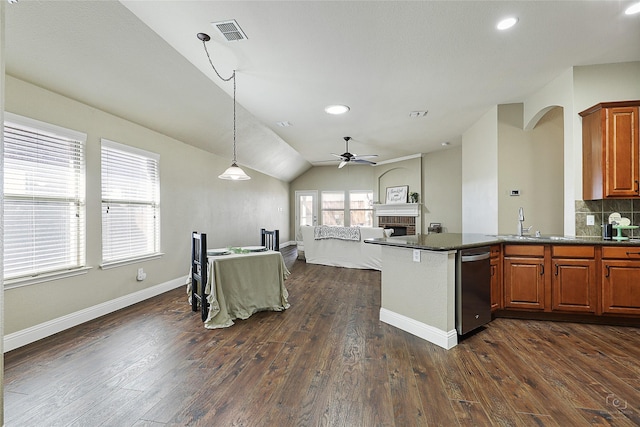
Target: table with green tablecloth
(239, 285)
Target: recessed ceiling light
(507, 23)
(336, 109)
(633, 9)
(445, 144)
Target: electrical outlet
(416, 255)
(591, 220)
(141, 275)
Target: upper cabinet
(610, 151)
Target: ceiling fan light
(336, 109)
(234, 173)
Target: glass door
(306, 212)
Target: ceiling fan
(348, 157)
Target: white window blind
(333, 208)
(44, 198)
(361, 208)
(130, 203)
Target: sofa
(342, 251)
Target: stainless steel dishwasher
(473, 288)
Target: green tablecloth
(244, 284)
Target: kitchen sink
(532, 238)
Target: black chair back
(199, 272)
(270, 239)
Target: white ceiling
(141, 60)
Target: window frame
(28, 124)
(346, 208)
(341, 210)
(154, 203)
(370, 192)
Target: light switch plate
(416, 255)
(591, 220)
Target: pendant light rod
(234, 172)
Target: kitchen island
(418, 287)
(419, 283)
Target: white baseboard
(43, 330)
(446, 340)
(289, 243)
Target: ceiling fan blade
(340, 156)
(365, 156)
(342, 164)
(367, 162)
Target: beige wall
(394, 174)
(436, 176)
(192, 198)
(330, 178)
(480, 175)
(442, 189)
(531, 162)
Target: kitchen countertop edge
(457, 241)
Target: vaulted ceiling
(141, 60)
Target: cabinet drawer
(562, 251)
(621, 252)
(524, 250)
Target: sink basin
(516, 237)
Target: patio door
(306, 211)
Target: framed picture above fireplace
(397, 194)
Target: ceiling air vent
(230, 30)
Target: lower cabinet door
(574, 287)
(621, 287)
(524, 283)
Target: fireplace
(402, 225)
(398, 231)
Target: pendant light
(233, 172)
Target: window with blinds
(44, 198)
(361, 208)
(130, 203)
(332, 203)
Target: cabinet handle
(556, 269)
(607, 273)
(633, 253)
(542, 269)
(636, 181)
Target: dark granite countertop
(455, 241)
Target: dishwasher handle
(476, 257)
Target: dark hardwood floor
(327, 361)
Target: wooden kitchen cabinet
(524, 277)
(496, 278)
(610, 150)
(621, 280)
(574, 279)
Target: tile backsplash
(601, 209)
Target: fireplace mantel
(397, 209)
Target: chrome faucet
(522, 230)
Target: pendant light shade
(233, 172)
